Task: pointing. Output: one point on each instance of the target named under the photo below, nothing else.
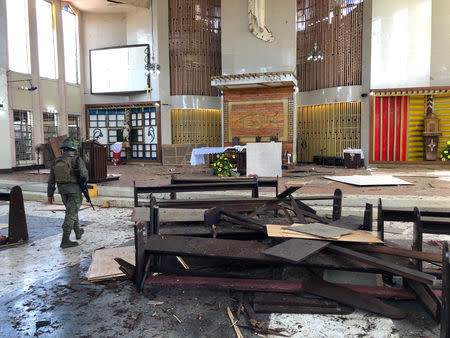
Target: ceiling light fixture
(315, 54)
(152, 67)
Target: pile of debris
(255, 246)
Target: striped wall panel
(416, 114)
(328, 129)
(389, 128)
(442, 110)
(196, 126)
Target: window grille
(74, 126)
(23, 135)
(50, 122)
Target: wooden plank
(276, 230)
(208, 247)
(349, 297)
(57, 207)
(295, 250)
(283, 308)
(104, 267)
(320, 230)
(385, 265)
(181, 215)
(429, 257)
(427, 297)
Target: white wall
(242, 52)
(440, 44)
(401, 42)
(98, 31)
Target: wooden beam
(429, 257)
(386, 266)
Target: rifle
(85, 191)
(82, 183)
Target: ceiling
(107, 7)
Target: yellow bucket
(92, 191)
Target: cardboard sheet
(369, 180)
(276, 230)
(104, 267)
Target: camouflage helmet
(69, 143)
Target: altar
(198, 154)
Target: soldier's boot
(78, 232)
(66, 242)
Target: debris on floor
(104, 267)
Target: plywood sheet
(369, 180)
(57, 207)
(295, 250)
(321, 230)
(351, 222)
(276, 230)
(104, 266)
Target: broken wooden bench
(247, 204)
(250, 251)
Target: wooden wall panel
(416, 114)
(442, 110)
(389, 128)
(336, 27)
(253, 112)
(196, 126)
(328, 129)
(195, 52)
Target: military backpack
(64, 172)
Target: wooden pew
(398, 214)
(262, 181)
(424, 224)
(195, 187)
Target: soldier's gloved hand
(50, 200)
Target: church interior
(175, 90)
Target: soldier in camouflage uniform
(66, 172)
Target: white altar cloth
(197, 156)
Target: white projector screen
(119, 69)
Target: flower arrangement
(445, 153)
(223, 165)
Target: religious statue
(126, 130)
(257, 20)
